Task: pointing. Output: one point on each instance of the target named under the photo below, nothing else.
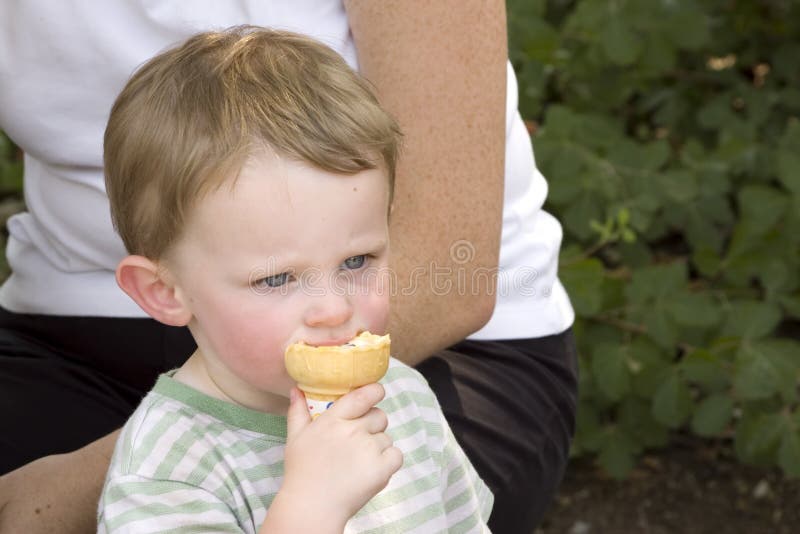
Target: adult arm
(56, 493)
(440, 69)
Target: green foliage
(10, 168)
(10, 192)
(670, 135)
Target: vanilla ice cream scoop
(325, 373)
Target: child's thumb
(297, 417)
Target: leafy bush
(671, 142)
(10, 168)
(10, 192)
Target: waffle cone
(328, 372)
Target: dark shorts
(511, 405)
(66, 381)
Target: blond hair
(189, 118)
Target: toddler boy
(250, 174)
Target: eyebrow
(370, 244)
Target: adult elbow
(481, 311)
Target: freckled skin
(440, 69)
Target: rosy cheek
(378, 313)
(379, 327)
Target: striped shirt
(187, 462)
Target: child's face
(289, 253)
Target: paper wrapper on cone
(326, 373)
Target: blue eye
(276, 280)
(355, 262)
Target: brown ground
(695, 488)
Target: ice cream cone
(325, 373)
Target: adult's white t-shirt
(62, 64)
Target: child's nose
(329, 309)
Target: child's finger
(383, 441)
(375, 420)
(393, 460)
(297, 417)
(358, 402)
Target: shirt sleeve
(467, 499)
(135, 504)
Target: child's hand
(338, 462)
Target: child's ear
(153, 290)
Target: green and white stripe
(186, 462)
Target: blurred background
(668, 131)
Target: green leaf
(712, 415)
(789, 452)
(659, 56)
(688, 27)
(589, 434)
(526, 9)
(540, 41)
(707, 261)
(791, 304)
(620, 42)
(655, 281)
(777, 276)
(766, 368)
(636, 419)
(577, 216)
(761, 204)
(789, 170)
(716, 113)
(762, 207)
(672, 402)
(642, 210)
(755, 379)
(660, 327)
(789, 159)
(649, 367)
(559, 123)
(785, 60)
(704, 367)
(587, 389)
(584, 283)
(790, 97)
(638, 157)
(699, 226)
(758, 436)
(678, 185)
(532, 78)
(613, 293)
(10, 177)
(751, 319)
(6, 147)
(610, 370)
(564, 168)
(694, 309)
(636, 255)
(617, 454)
(598, 132)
